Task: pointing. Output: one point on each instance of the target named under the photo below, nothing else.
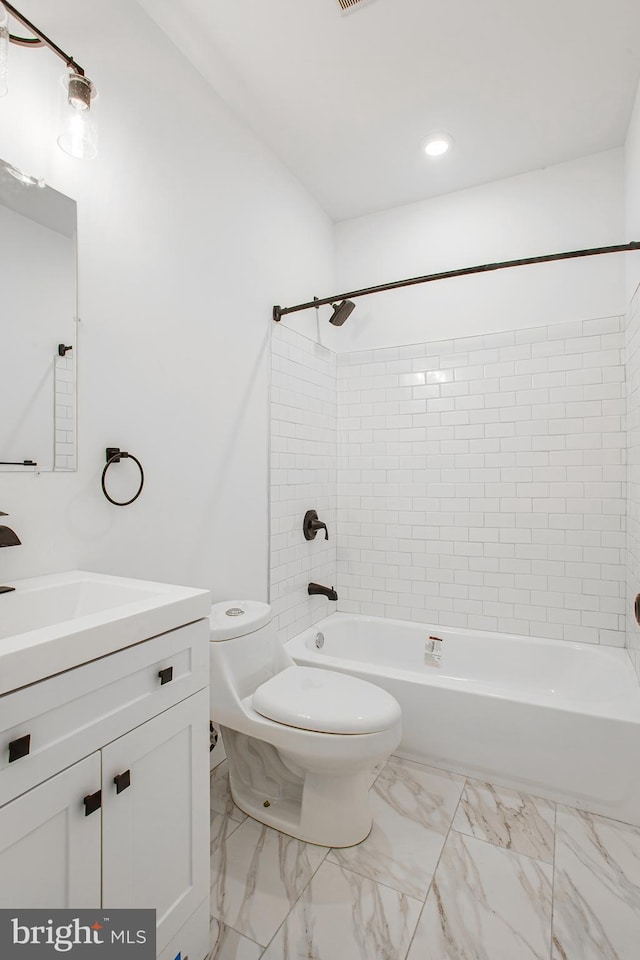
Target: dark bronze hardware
(19, 748)
(122, 781)
(318, 590)
(279, 312)
(166, 675)
(40, 39)
(9, 538)
(311, 525)
(115, 455)
(92, 802)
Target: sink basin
(54, 623)
(39, 603)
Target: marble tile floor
(454, 869)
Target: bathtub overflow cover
(319, 640)
(234, 612)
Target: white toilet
(302, 742)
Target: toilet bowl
(302, 742)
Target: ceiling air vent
(349, 4)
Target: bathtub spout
(316, 589)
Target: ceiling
(347, 100)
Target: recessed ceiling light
(438, 144)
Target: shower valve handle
(311, 525)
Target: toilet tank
(243, 653)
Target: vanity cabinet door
(156, 816)
(50, 842)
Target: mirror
(38, 311)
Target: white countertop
(54, 623)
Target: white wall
(566, 207)
(189, 231)
(632, 197)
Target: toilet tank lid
(237, 618)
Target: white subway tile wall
(633, 476)
(482, 481)
(303, 477)
(64, 412)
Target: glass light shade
(4, 49)
(78, 134)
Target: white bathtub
(553, 718)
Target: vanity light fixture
(438, 144)
(78, 134)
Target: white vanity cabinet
(104, 788)
(49, 850)
(155, 833)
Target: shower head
(341, 311)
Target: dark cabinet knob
(92, 802)
(122, 781)
(19, 748)
(166, 675)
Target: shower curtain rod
(279, 312)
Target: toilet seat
(294, 763)
(325, 701)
